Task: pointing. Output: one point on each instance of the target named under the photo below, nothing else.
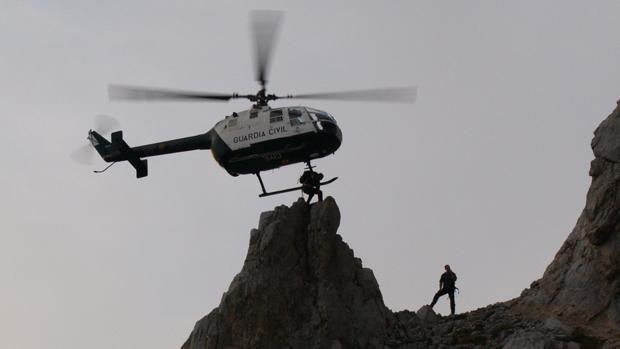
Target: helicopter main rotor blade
(137, 93)
(392, 94)
(265, 26)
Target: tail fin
(102, 145)
(128, 154)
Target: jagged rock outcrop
(302, 287)
(582, 284)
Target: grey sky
(487, 171)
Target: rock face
(300, 287)
(582, 284)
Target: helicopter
(250, 141)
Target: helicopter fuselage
(262, 139)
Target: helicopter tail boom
(119, 150)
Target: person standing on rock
(446, 286)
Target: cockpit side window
(253, 114)
(296, 116)
(275, 116)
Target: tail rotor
(85, 154)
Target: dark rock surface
(494, 326)
(302, 287)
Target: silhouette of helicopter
(250, 141)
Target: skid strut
(261, 184)
(266, 193)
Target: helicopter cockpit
(324, 121)
(319, 115)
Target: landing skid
(266, 193)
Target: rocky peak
(300, 286)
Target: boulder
(426, 313)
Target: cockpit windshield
(320, 115)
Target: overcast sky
(487, 171)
